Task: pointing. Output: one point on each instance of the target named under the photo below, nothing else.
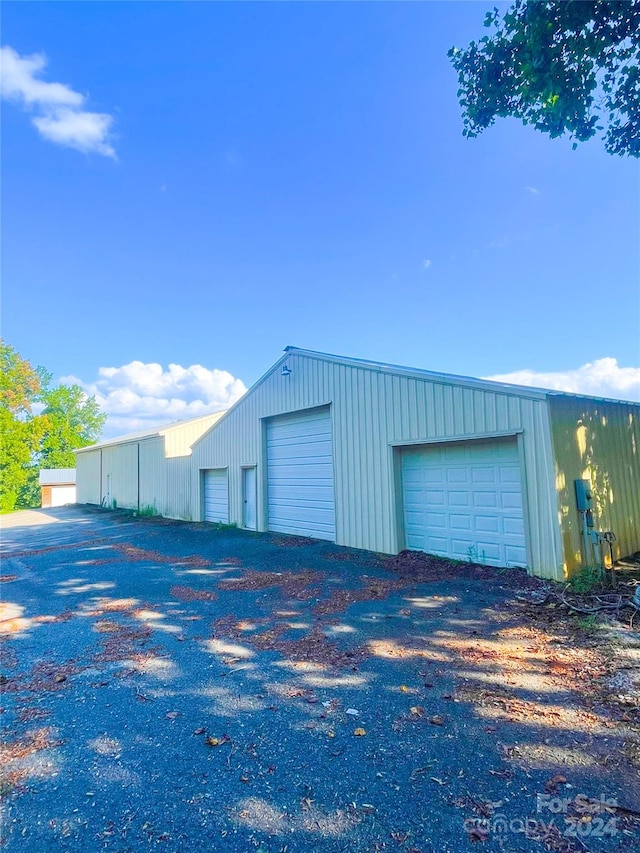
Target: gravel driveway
(177, 687)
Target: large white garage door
(216, 496)
(61, 495)
(300, 474)
(464, 501)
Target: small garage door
(300, 474)
(464, 501)
(216, 496)
(61, 495)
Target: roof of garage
(57, 476)
(446, 378)
(153, 433)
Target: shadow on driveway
(174, 685)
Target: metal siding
(88, 477)
(371, 411)
(153, 492)
(57, 476)
(597, 440)
(179, 438)
(121, 464)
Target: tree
(68, 420)
(20, 431)
(566, 67)
(73, 421)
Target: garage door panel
(483, 475)
(437, 545)
(490, 553)
(513, 526)
(512, 501)
(485, 499)
(300, 496)
(460, 522)
(300, 482)
(461, 548)
(487, 524)
(510, 475)
(304, 446)
(457, 475)
(458, 498)
(476, 488)
(516, 555)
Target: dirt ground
(184, 688)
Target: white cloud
(532, 190)
(139, 396)
(59, 114)
(601, 378)
(426, 264)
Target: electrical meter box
(584, 498)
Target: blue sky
(295, 173)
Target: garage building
(57, 487)
(384, 458)
(149, 472)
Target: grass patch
(586, 580)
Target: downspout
(138, 477)
(100, 478)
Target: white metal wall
(120, 475)
(88, 477)
(165, 470)
(374, 410)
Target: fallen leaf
(417, 710)
(171, 715)
(436, 720)
(216, 741)
(551, 786)
(359, 732)
(404, 688)
(478, 833)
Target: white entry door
(249, 517)
(216, 495)
(300, 474)
(464, 501)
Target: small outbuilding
(148, 471)
(57, 487)
(381, 457)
